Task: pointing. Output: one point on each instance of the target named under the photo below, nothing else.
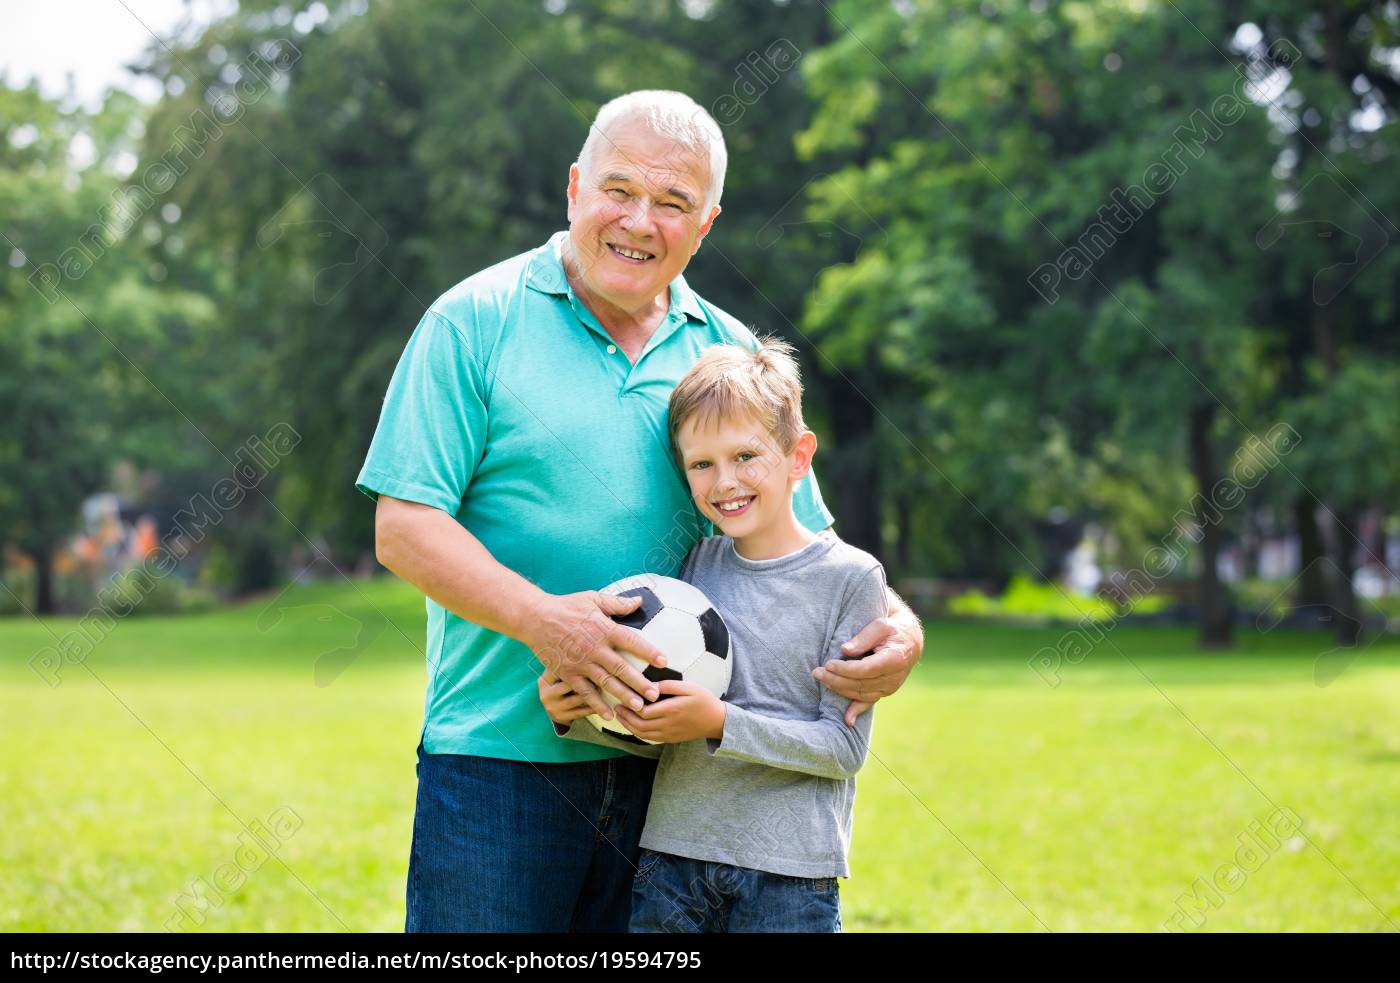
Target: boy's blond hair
(729, 381)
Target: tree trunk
(1216, 629)
(904, 530)
(43, 581)
(1251, 543)
(1347, 623)
(857, 486)
(1312, 581)
(1348, 618)
(1379, 548)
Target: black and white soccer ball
(678, 619)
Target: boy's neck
(783, 536)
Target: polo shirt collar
(545, 273)
(684, 300)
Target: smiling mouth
(734, 506)
(635, 256)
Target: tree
(1332, 273)
(82, 329)
(1068, 218)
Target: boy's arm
(895, 643)
(826, 747)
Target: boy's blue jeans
(677, 894)
(516, 846)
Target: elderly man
(520, 464)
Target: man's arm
(895, 643)
(572, 634)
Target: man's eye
(618, 194)
(675, 209)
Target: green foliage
(989, 144)
(1351, 466)
(16, 588)
(144, 594)
(92, 352)
(1028, 601)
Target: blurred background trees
(1049, 266)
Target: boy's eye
(745, 455)
(698, 465)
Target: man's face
(738, 474)
(637, 217)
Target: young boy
(749, 823)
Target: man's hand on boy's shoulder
(875, 663)
(691, 712)
(894, 649)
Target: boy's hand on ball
(690, 712)
(563, 705)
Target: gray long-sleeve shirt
(777, 792)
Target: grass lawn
(991, 800)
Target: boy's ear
(802, 454)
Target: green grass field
(991, 800)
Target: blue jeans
(677, 894)
(516, 846)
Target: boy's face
(738, 473)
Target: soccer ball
(678, 619)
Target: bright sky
(91, 40)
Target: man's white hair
(668, 114)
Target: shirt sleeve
(432, 428)
(582, 730)
(824, 747)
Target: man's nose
(637, 216)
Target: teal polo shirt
(512, 410)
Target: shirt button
(612, 349)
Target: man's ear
(572, 192)
(802, 453)
(705, 229)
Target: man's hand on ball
(575, 637)
(690, 712)
(563, 705)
